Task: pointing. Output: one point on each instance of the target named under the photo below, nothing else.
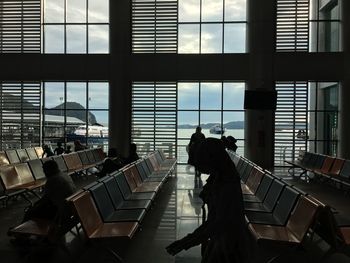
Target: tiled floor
(177, 212)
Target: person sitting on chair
(57, 188)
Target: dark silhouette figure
(231, 143)
(47, 151)
(57, 188)
(196, 138)
(109, 166)
(224, 236)
(78, 146)
(194, 195)
(224, 141)
(112, 163)
(133, 156)
(59, 149)
(68, 149)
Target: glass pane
(54, 95)
(76, 11)
(312, 96)
(54, 39)
(235, 38)
(98, 39)
(212, 10)
(98, 11)
(100, 117)
(53, 123)
(211, 123)
(233, 98)
(211, 38)
(188, 96)
(234, 126)
(234, 120)
(188, 39)
(76, 125)
(54, 11)
(76, 95)
(76, 39)
(328, 37)
(235, 10)
(98, 95)
(211, 96)
(189, 10)
(187, 118)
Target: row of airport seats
(324, 167)
(277, 212)
(13, 156)
(18, 179)
(113, 206)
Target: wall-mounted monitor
(260, 99)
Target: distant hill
(229, 125)
(74, 109)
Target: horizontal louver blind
(154, 26)
(20, 26)
(290, 117)
(154, 116)
(20, 114)
(292, 32)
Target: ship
(217, 129)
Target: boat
(92, 131)
(217, 129)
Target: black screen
(260, 100)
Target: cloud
(211, 38)
(188, 39)
(189, 10)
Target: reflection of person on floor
(194, 198)
(224, 232)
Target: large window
(75, 111)
(76, 26)
(325, 26)
(215, 106)
(323, 117)
(212, 26)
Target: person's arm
(197, 237)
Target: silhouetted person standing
(196, 138)
(224, 232)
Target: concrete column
(120, 84)
(259, 124)
(344, 91)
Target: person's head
(46, 147)
(77, 142)
(112, 152)
(50, 168)
(69, 147)
(59, 144)
(211, 156)
(198, 129)
(231, 139)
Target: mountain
(228, 125)
(74, 109)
